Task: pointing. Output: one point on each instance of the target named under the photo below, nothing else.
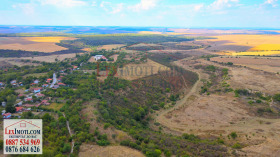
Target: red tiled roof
(19, 108)
(7, 114)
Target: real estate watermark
(23, 136)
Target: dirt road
(67, 123)
(161, 116)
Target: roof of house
(39, 94)
(44, 101)
(19, 108)
(28, 105)
(7, 114)
(37, 88)
(28, 99)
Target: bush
(106, 126)
(233, 135)
(155, 107)
(103, 142)
(237, 146)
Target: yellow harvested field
(48, 39)
(255, 53)
(41, 44)
(248, 40)
(136, 71)
(266, 47)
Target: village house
(19, 109)
(28, 99)
(45, 85)
(36, 81)
(20, 95)
(45, 102)
(3, 104)
(98, 57)
(20, 83)
(19, 103)
(37, 90)
(49, 80)
(3, 112)
(56, 86)
(39, 95)
(7, 116)
(61, 84)
(1, 84)
(75, 67)
(14, 82)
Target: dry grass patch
(87, 150)
(136, 71)
(110, 47)
(54, 106)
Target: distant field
(260, 63)
(41, 44)
(246, 44)
(255, 53)
(51, 58)
(266, 47)
(110, 47)
(48, 39)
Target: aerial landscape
(155, 78)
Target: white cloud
(198, 7)
(27, 8)
(93, 4)
(112, 8)
(63, 3)
(118, 8)
(144, 5)
(271, 2)
(221, 4)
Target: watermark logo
(23, 136)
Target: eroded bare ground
(220, 114)
(109, 151)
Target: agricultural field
(40, 44)
(269, 64)
(110, 47)
(252, 45)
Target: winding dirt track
(161, 116)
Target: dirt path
(67, 123)
(161, 116)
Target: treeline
(121, 39)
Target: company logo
(23, 136)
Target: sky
(150, 13)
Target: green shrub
(237, 146)
(233, 135)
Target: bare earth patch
(87, 150)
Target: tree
(66, 148)
(10, 104)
